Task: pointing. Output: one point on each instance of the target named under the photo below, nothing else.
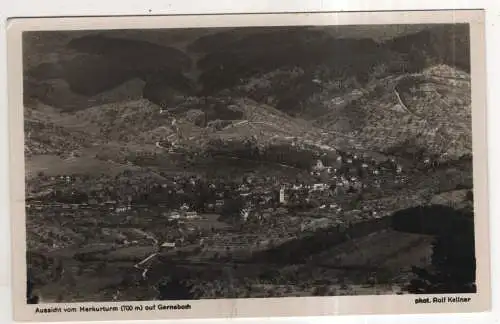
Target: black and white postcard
(248, 165)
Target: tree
(470, 196)
(453, 266)
(453, 262)
(174, 288)
(321, 290)
(31, 298)
(231, 209)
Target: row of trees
(453, 267)
(453, 261)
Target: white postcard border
(258, 307)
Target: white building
(123, 209)
(338, 162)
(283, 196)
(319, 165)
(192, 215)
(320, 186)
(245, 213)
(243, 187)
(174, 215)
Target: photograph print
(248, 162)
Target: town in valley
(222, 163)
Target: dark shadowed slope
(338, 92)
(433, 220)
(260, 53)
(131, 51)
(445, 44)
(59, 94)
(79, 74)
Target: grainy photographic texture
(248, 162)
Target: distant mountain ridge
(440, 44)
(96, 63)
(309, 88)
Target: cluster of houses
(229, 242)
(264, 197)
(267, 206)
(184, 212)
